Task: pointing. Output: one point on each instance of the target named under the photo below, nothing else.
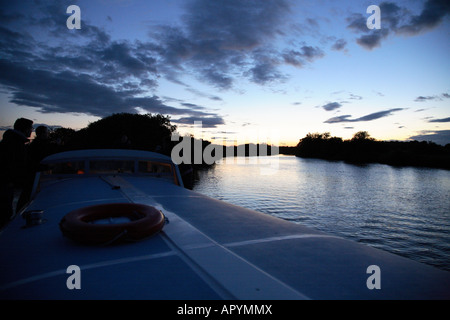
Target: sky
(250, 70)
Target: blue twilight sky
(250, 70)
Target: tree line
(364, 149)
(140, 132)
(153, 133)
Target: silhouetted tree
(319, 145)
(361, 136)
(362, 148)
(62, 138)
(129, 131)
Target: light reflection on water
(402, 210)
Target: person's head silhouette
(24, 125)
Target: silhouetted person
(38, 149)
(13, 165)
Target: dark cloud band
(369, 117)
(398, 20)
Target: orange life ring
(144, 222)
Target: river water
(403, 210)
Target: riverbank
(360, 151)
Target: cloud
(372, 40)
(355, 97)
(331, 106)
(265, 72)
(377, 115)
(207, 122)
(235, 24)
(297, 57)
(265, 68)
(430, 98)
(55, 70)
(238, 40)
(369, 117)
(422, 98)
(68, 91)
(205, 95)
(398, 20)
(357, 22)
(192, 106)
(89, 74)
(350, 96)
(440, 120)
(238, 36)
(344, 118)
(431, 16)
(340, 44)
(441, 137)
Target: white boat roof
(105, 153)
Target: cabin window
(157, 169)
(154, 167)
(68, 167)
(111, 166)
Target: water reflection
(401, 210)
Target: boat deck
(208, 249)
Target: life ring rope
(116, 238)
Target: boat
(119, 225)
